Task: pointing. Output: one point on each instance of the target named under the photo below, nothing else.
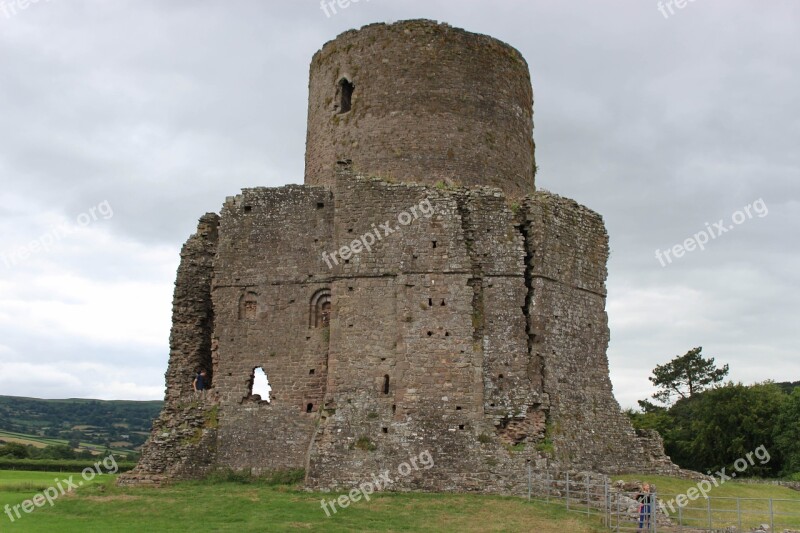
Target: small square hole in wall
(500, 376)
(458, 407)
(430, 334)
(434, 243)
(461, 426)
(248, 208)
(442, 304)
(346, 261)
(350, 289)
(320, 205)
(394, 409)
(311, 372)
(430, 302)
(446, 333)
(386, 430)
(349, 230)
(309, 407)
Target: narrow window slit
(345, 95)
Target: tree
(685, 376)
(58, 451)
(787, 434)
(15, 450)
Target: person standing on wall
(200, 383)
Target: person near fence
(645, 499)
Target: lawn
(753, 502)
(231, 506)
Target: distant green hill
(120, 424)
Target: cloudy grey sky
(122, 122)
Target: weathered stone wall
(567, 249)
(192, 310)
(430, 103)
(266, 274)
(404, 312)
(182, 441)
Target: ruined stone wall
(429, 103)
(192, 310)
(265, 276)
(183, 439)
(472, 327)
(567, 253)
(404, 312)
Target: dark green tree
(58, 451)
(712, 429)
(685, 376)
(15, 450)
(787, 434)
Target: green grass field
(229, 506)
(193, 506)
(753, 503)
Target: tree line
(707, 424)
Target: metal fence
(596, 496)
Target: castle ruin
(415, 294)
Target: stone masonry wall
(472, 328)
(183, 439)
(266, 274)
(430, 103)
(567, 249)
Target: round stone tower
(418, 101)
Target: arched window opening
(320, 309)
(344, 92)
(259, 385)
(248, 306)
